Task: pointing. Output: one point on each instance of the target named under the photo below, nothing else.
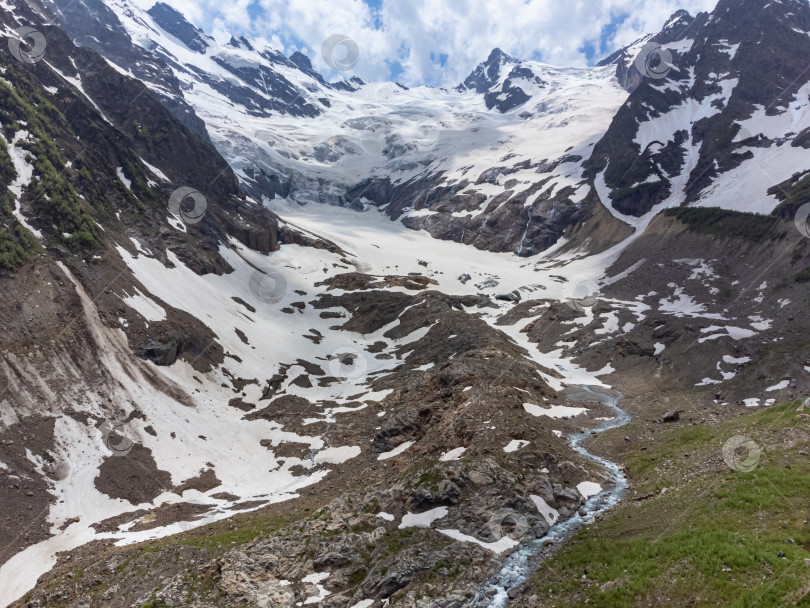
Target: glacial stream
(519, 565)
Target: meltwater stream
(519, 565)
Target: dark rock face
(378, 191)
(260, 184)
(510, 96)
(92, 24)
(175, 24)
(407, 425)
(485, 78)
(305, 65)
(768, 62)
(487, 74)
(284, 96)
(507, 224)
(159, 353)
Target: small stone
(672, 416)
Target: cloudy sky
(438, 42)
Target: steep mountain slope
(440, 160)
(95, 171)
(723, 124)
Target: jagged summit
(698, 132)
(680, 19)
(488, 73)
(240, 42)
(498, 56)
(174, 23)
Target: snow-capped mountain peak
(726, 118)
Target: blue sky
(438, 42)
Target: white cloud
(417, 33)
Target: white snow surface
(555, 411)
(452, 455)
(422, 520)
(515, 445)
(550, 514)
(401, 448)
(501, 546)
(589, 488)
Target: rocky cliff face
(717, 121)
(94, 170)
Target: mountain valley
(274, 340)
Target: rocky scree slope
(90, 159)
